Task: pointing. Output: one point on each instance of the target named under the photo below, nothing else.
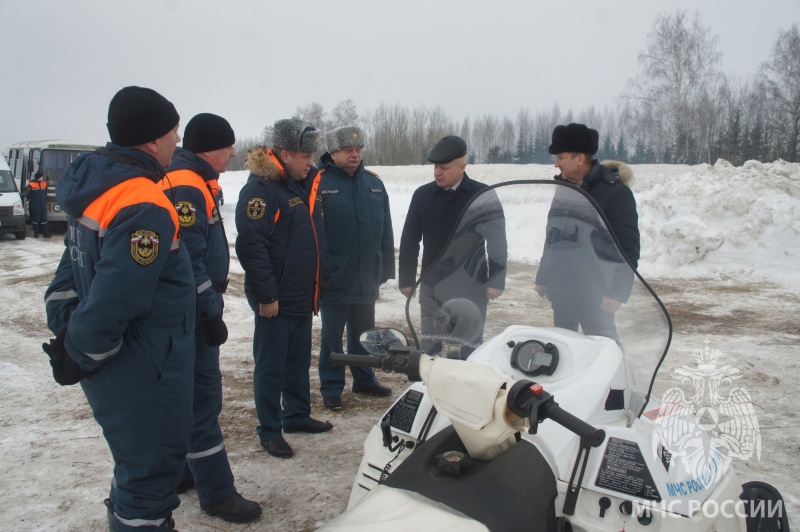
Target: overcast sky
(256, 61)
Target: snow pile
(699, 220)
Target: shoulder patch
(256, 207)
(187, 213)
(371, 172)
(144, 246)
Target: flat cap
(447, 149)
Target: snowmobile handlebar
(400, 360)
(530, 400)
(594, 436)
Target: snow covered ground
(720, 244)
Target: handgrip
(593, 435)
(361, 361)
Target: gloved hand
(66, 371)
(214, 331)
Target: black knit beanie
(137, 115)
(207, 132)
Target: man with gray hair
(358, 230)
(281, 247)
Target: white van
(12, 213)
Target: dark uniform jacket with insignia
(358, 230)
(187, 187)
(123, 268)
(280, 238)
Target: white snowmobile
(482, 444)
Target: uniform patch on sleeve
(187, 213)
(144, 246)
(256, 207)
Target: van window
(6, 182)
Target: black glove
(214, 331)
(66, 371)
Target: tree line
(680, 109)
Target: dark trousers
(207, 458)
(357, 319)
(591, 318)
(38, 214)
(142, 398)
(282, 354)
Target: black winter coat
(607, 183)
(432, 216)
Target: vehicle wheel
(20, 235)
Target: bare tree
(344, 114)
(781, 75)
(679, 63)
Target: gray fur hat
(294, 134)
(344, 137)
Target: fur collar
(625, 171)
(262, 163)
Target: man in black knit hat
(207, 149)
(122, 306)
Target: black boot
(237, 509)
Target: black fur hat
(575, 138)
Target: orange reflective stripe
(37, 185)
(191, 179)
(312, 200)
(275, 160)
(130, 192)
(214, 185)
(277, 215)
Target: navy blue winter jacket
(358, 230)
(123, 267)
(201, 228)
(281, 237)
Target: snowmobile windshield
(538, 253)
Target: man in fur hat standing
(358, 229)
(281, 247)
(574, 146)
